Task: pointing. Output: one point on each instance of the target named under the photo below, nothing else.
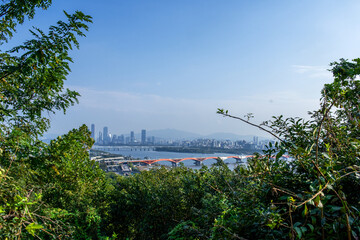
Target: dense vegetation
(45, 190)
(54, 191)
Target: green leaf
(297, 224)
(330, 186)
(313, 220)
(32, 227)
(305, 212)
(354, 234)
(298, 231)
(312, 188)
(280, 153)
(335, 208)
(311, 227)
(318, 202)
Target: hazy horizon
(170, 134)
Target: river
(151, 154)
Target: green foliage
(13, 12)
(32, 79)
(46, 191)
(148, 205)
(313, 195)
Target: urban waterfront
(151, 154)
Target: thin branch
(347, 174)
(250, 123)
(278, 188)
(314, 196)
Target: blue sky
(171, 64)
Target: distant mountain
(50, 136)
(47, 137)
(229, 136)
(172, 134)
(178, 134)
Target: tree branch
(225, 114)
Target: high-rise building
(143, 136)
(132, 137)
(121, 139)
(100, 138)
(114, 138)
(106, 135)
(93, 131)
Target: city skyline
(106, 136)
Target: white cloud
(312, 71)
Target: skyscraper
(93, 131)
(122, 139)
(106, 135)
(143, 136)
(132, 137)
(100, 138)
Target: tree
(46, 190)
(314, 195)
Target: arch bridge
(174, 161)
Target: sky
(160, 64)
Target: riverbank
(204, 150)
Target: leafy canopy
(45, 190)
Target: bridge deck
(120, 160)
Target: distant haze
(177, 134)
(173, 134)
